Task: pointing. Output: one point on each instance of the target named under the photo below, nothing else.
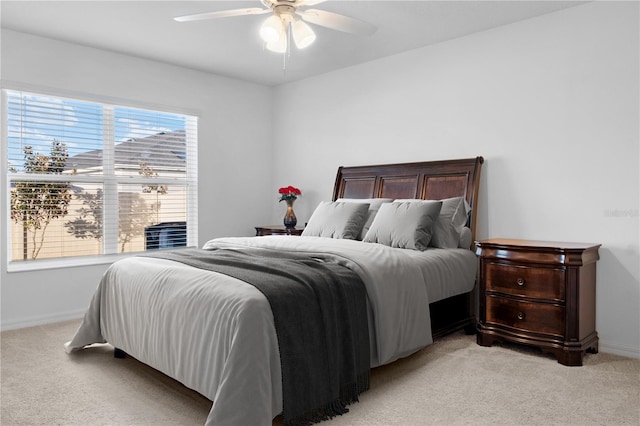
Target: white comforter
(215, 334)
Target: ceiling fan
(284, 22)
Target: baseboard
(619, 350)
(41, 320)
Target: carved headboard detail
(430, 180)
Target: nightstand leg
(570, 359)
(483, 339)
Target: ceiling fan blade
(311, 2)
(337, 22)
(222, 14)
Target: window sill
(71, 262)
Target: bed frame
(432, 180)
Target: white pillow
(465, 238)
(452, 219)
(337, 220)
(404, 224)
(374, 206)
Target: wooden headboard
(430, 180)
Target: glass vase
(290, 219)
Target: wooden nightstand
(539, 293)
(276, 230)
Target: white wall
(552, 105)
(234, 149)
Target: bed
(215, 333)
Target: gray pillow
(374, 206)
(337, 220)
(407, 224)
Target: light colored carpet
(452, 382)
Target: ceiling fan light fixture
(272, 29)
(303, 35)
(278, 46)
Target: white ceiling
(232, 47)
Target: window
(90, 179)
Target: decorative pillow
(404, 224)
(452, 219)
(465, 238)
(374, 206)
(337, 220)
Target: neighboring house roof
(164, 150)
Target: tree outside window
(36, 204)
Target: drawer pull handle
(520, 315)
(520, 282)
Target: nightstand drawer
(536, 283)
(533, 317)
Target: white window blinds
(89, 179)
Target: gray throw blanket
(320, 317)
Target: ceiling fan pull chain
(289, 28)
(287, 52)
(284, 58)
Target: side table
(539, 293)
(276, 230)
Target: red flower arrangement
(289, 193)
